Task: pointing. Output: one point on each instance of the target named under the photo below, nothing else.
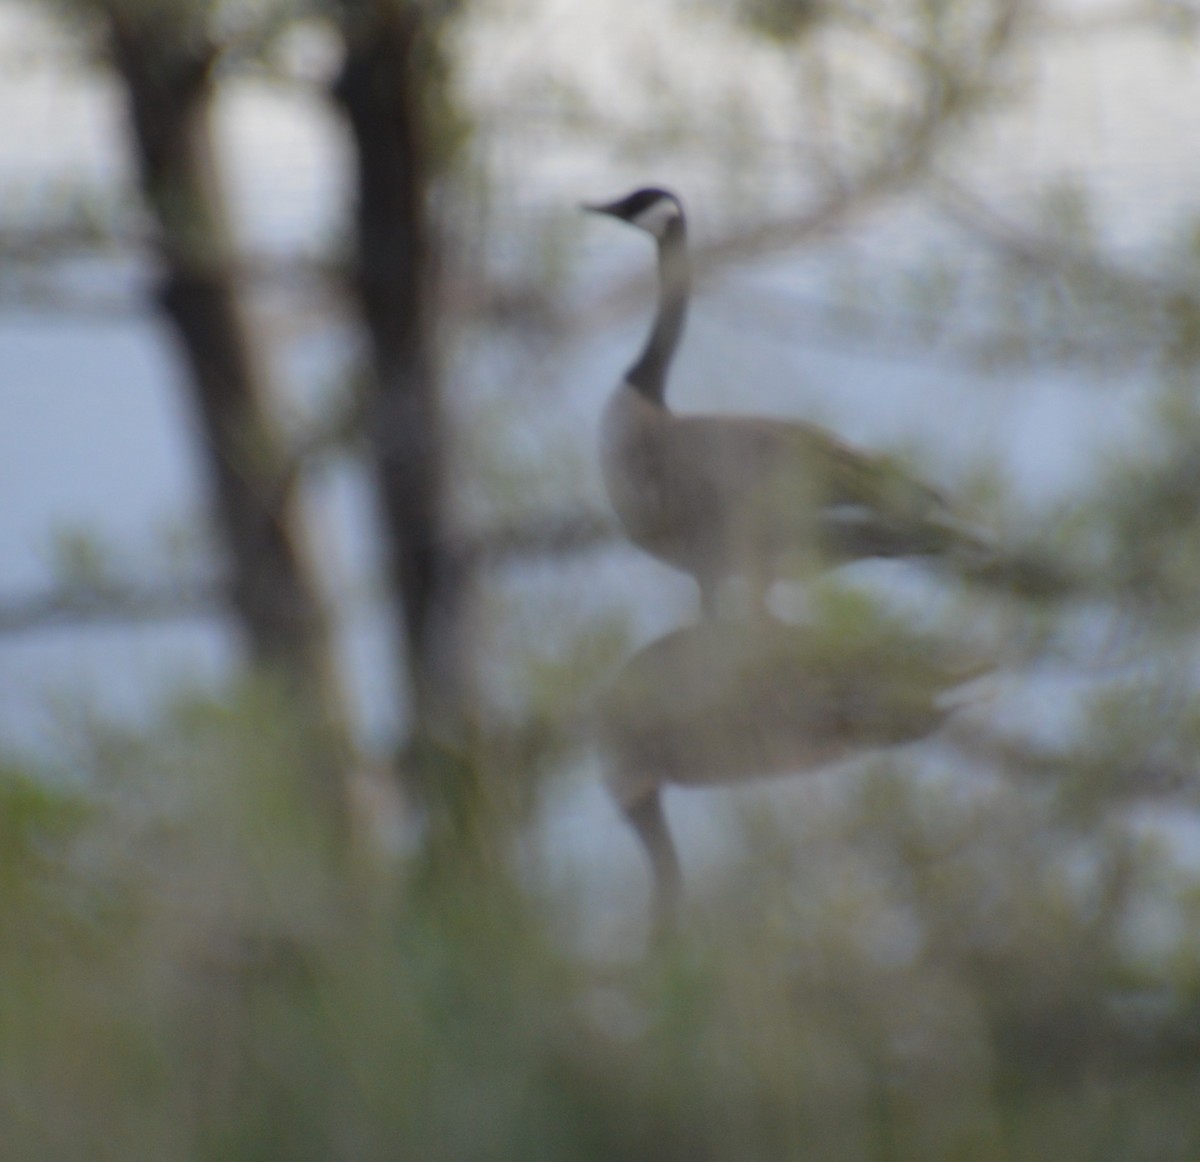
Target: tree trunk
(392, 89)
(165, 60)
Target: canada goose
(719, 496)
(719, 703)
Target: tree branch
(131, 602)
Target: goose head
(654, 210)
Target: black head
(651, 209)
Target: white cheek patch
(656, 217)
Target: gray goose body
(723, 496)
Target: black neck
(648, 375)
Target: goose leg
(646, 817)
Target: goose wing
(792, 481)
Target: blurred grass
(191, 970)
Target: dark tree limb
(392, 90)
(165, 62)
(164, 58)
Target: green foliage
(1146, 506)
(1065, 214)
(80, 560)
(38, 822)
(189, 972)
(782, 20)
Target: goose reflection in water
(719, 703)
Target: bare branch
(133, 602)
(121, 602)
(1039, 251)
